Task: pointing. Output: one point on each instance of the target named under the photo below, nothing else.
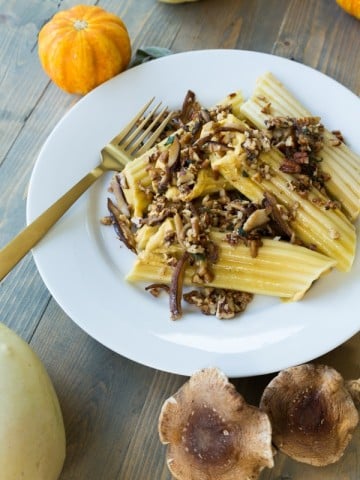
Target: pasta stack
(271, 98)
(218, 203)
(236, 269)
(329, 229)
(138, 184)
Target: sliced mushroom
(122, 226)
(256, 219)
(212, 434)
(189, 104)
(156, 288)
(174, 153)
(284, 226)
(176, 287)
(214, 146)
(117, 190)
(312, 413)
(214, 130)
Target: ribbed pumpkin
(82, 47)
(351, 6)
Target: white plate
(83, 264)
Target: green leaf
(145, 54)
(170, 140)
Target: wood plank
(23, 76)
(23, 289)
(27, 116)
(101, 395)
(30, 106)
(318, 33)
(111, 404)
(137, 464)
(209, 25)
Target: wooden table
(110, 404)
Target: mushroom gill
(312, 413)
(211, 433)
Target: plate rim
(69, 310)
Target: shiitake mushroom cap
(212, 433)
(312, 413)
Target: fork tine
(137, 137)
(139, 140)
(127, 129)
(149, 143)
(139, 128)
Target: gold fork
(139, 135)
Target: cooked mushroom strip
(216, 130)
(312, 413)
(174, 152)
(116, 189)
(275, 213)
(122, 226)
(256, 219)
(176, 286)
(155, 288)
(189, 106)
(211, 432)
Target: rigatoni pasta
(270, 98)
(239, 198)
(313, 222)
(137, 184)
(236, 269)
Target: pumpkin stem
(80, 24)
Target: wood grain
(111, 404)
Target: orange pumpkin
(82, 47)
(351, 6)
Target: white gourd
(32, 435)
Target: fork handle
(17, 248)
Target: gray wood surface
(111, 404)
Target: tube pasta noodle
(144, 235)
(342, 164)
(330, 230)
(235, 101)
(136, 180)
(138, 183)
(237, 270)
(223, 213)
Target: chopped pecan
(223, 303)
(156, 288)
(338, 135)
(288, 166)
(266, 108)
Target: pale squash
(82, 47)
(32, 435)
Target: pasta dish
(252, 196)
